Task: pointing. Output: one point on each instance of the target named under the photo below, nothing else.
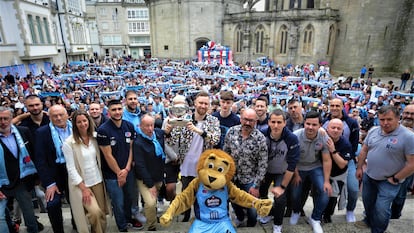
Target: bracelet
(204, 134)
(334, 152)
(282, 186)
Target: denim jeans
(352, 186)
(320, 198)
(377, 196)
(251, 212)
(121, 200)
(3, 223)
(279, 204)
(398, 203)
(403, 84)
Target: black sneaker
(40, 226)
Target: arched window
(308, 38)
(238, 39)
(32, 29)
(331, 41)
(259, 39)
(283, 34)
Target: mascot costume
(210, 193)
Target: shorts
(171, 172)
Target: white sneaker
(316, 225)
(350, 216)
(277, 229)
(265, 219)
(294, 218)
(141, 218)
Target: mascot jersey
(211, 211)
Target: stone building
(344, 33)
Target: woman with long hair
(83, 162)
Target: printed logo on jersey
(213, 201)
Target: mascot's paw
(165, 220)
(263, 207)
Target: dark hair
(313, 114)
(32, 96)
(278, 112)
(113, 102)
(262, 98)
(75, 130)
(389, 108)
(227, 95)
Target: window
(331, 41)
(135, 27)
(165, 47)
(39, 30)
(105, 26)
(138, 14)
(74, 6)
(283, 34)
(46, 25)
(116, 26)
(112, 40)
(140, 40)
(259, 39)
(32, 29)
(308, 40)
(1, 33)
(239, 39)
(102, 11)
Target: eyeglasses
(249, 120)
(5, 118)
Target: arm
(407, 170)
(327, 166)
(361, 161)
(244, 199)
(181, 203)
(73, 174)
(262, 156)
(336, 157)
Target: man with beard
(95, 112)
(261, 110)
(131, 110)
(398, 203)
(247, 145)
(351, 133)
(202, 133)
(226, 117)
(35, 116)
(115, 138)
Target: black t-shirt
(344, 148)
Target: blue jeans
(320, 198)
(352, 186)
(121, 199)
(398, 203)
(251, 212)
(402, 85)
(3, 223)
(377, 196)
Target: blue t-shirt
(119, 139)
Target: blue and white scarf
(159, 152)
(58, 142)
(25, 163)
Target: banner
(33, 68)
(48, 68)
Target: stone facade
(345, 33)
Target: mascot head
(215, 169)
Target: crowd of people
(102, 135)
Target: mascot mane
(218, 154)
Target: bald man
(340, 151)
(50, 162)
(248, 146)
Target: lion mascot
(210, 193)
